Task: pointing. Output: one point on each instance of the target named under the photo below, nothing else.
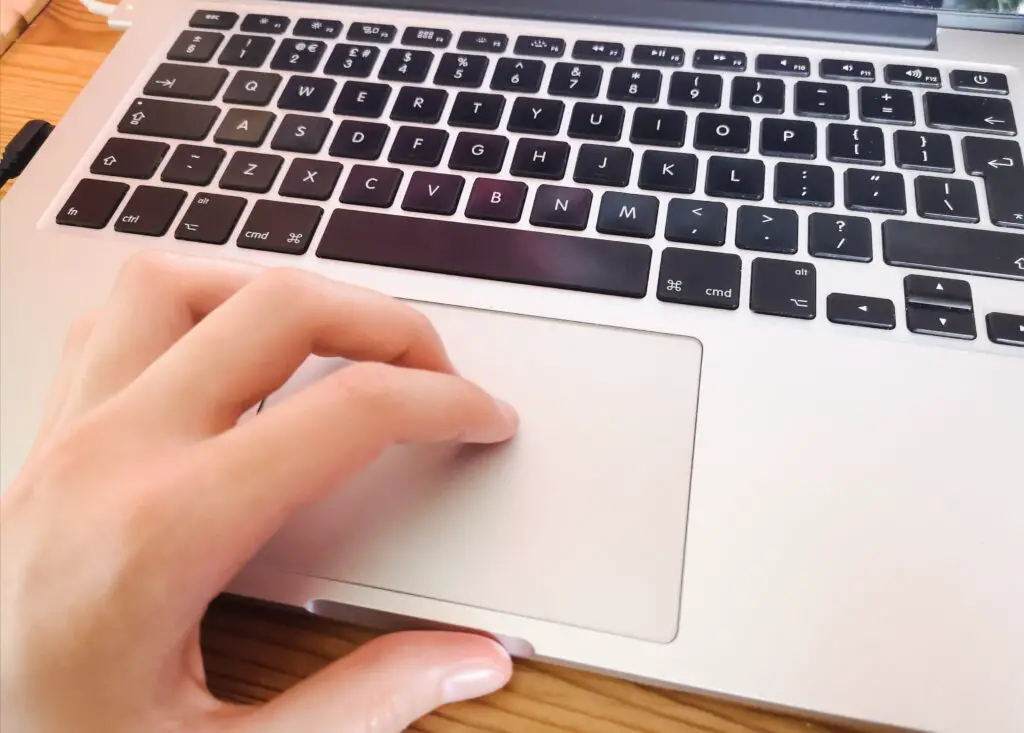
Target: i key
(665, 127)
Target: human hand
(143, 497)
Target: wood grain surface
(254, 652)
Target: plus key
(1000, 164)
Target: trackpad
(579, 520)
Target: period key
(706, 279)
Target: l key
(999, 162)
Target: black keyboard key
(433, 193)
(889, 106)
(706, 279)
(179, 81)
(494, 200)
(414, 104)
(969, 113)
(548, 259)
(92, 203)
(301, 134)
(127, 158)
(938, 292)
(839, 237)
(362, 99)
(806, 185)
(150, 211)
(540, 159)
(783, 288)
(427, 37)
(861, 310)
(251, 172)
(259, 23)
(596, 121)
(474, 151)
(248, 127)
(789, 138)
(360, 140)
(948, 324)
(517, 75)
(695, 90)
(735, 178)
(669, 172)
(193, 165)
(847, 70)
(603, 165)
(213, 19)
(195, 46)
(949, 199)
(247, 51)
(635, 85)
(817, 99)
(628, 215)
(1000, 163)
(307, 93)
(461, 70)
(783, 65)
(540, 46)
(369, 185)
(877, 191)
(924, 151)
(178, 120)
(724, 133)
(536, 116)
(418, 146)
(575, 80)
(403, 65)
(855, 144)
(767, 96)
(298, 56)
(352, 60)
(318, 28)
(309, 178)
(722, 60)
(276, 226)
(372, 32)
(767, 230)
(664, 127)
(1005, 328)
(210, 218)
(559, 207)
(658, 55)
(970, 251)
(477, 111)
(252, 87)
(696, 222)
(913, 76)
(484, 42)
(598, 51)
(986, 82)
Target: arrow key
(1006, 328)
(938, 292)
(127, 158)
(860, 310)
(186, 82)
(949, 324)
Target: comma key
(707, 279)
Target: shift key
(178, 120)
(693, 277)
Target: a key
(839, 237)
(722, 60)
(301, 134)
(427, 37)
(307, 93)
(561, 208)
(276, 226)
(669, 172)
(575, 80)
(970, 251)
(150, 211)
(361, 140)
(517, 75)
(758, 95)
(877, 191)
(476, 111)
(308, 178)
(252, 87)
(696, 222)
(214, 19)
(598, 51)
(950, 199)
(433, 193)
(539, 46)
(687, 89)
(403, 65)
(372, 32)
(603, 165)
(1000, 164)
(536, 116)
(596, 121)
(474, 151)
(767, 230)
(371, 186)
(196, 46)
(461, 70)
(817, 99)
(210, 218)
(989, 115)
(706, 279)
(298, 55)
(496, 200)
(847, 70)
(246, 51)
(127, 158)
(159, 118)
(855, 144)
(789, 138)
(418, 146)
(540, 159)
(179, 81)
(924, 151)
(783, 288)
(948, 324)
(259, 23)
(635, 85)
(92, 203)
(783, 65)
(1005, 328)
(362, 99)
(193, 165)
(485, 42)
(938, 292)
(317, 28)
(888, 106)
(415, 104)
(664, 127)
(658, 55)
(861, 310)
(735, 178)
(986, 82)
(251, 172)
(808, 185)
(248, 127)
(723, 133)
(352, 60)
(913, 76)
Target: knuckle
(369, 384)
(147, 269)
(80, 330)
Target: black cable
(22, 148)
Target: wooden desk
(253, 653)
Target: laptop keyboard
(537, 161)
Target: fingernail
(510, 413)
(471, 682)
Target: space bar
(522, 256)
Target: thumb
(388, 684)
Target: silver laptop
(752, 271)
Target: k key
(669, 172)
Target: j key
(371, 32)
(360, 140)
(814, 99)
(658, 55)
(487, 42)
(979, 81)
(276, 226)
(427, 37)
(695, 90)
(628, 215)
(433, 193)
(913, 76)
(603, 165)
(635, 85)
(724, 133)
(724, 60)
(598, 51)
(950, 199)
(249, 51)
(517, 75)
(402, 65)
(891, 106)
(477, 111)
(948, 324)
(150, 211)
(213, 19)
(536, 116)
(198, 46)
(477, 152)
(178, 120)
(362, 99)
(301, 134)
(855, 144)
(847, 70)
(494, 200)
(860, 310)
(607, 266)
(924, 151)
(317, 28)
(767, 230)
(875, 191)
(418, 146)
(969, 113)
(461, 70)
(540, 159)
(193, 165)
(414, 104)
(298, 55)
(735, 178)
(265, 24)
(696, 222)
(127, 158)
(248, 127)
(308, 178)
(92, 203)
(596, 121)
(789, 138)
(369, 185)
(783, 288)
(185, 82)
(252, 87)
(665, 127)
(706, 279)
(808, 185)
(539, 46)
(307, 93)
(938, 292)
(783, 65)
(575, 80)
(210, 218)
(758, 95)
(971, 251)
(999, 162)
(561, 208)
(251, 172)
(669, 172)
(352, 60)
(837, 237)
(1005, 328)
